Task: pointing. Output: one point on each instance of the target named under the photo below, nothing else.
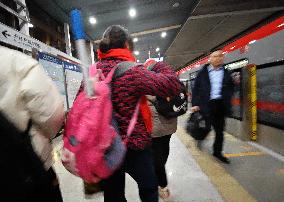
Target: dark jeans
(217, 120)
(161, 149)
(139, 165)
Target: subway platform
(255, 173)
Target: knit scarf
(121, 53)
(125, 54)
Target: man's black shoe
(222, 158)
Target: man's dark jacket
(202, 88)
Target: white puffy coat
(26, 92)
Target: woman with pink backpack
(108, 129)
(115, 47)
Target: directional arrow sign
(5, 33)
(18, 39)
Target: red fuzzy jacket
(127, 89)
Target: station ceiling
(193, 27)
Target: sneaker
(222, 158)
(165, 194)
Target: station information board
(54, 69)
(74, 78)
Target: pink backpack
(93, 148)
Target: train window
(270, 88)
(237, 105)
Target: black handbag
(173, 106)
(197, 127)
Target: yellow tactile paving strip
(244, 154)
(227, 186)
(281, 171)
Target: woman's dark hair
(115, 36)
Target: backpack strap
(123, 67)
(120, 69)
(133, 119)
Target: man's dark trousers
(217, 120)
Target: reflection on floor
(186, 180)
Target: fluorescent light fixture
(253, 41)
(135, 39)
(93, 20)
(136, 52)
(175, 5)
(30, 25)
(164, 34)
(281, 25)
(157, 49)
(132, 12)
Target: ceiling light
(136, 52)
(157, 49)
(93, 20)
(175, 5)
(138, 60)
(164, 34)
(253, 41)
(132, 12)
(135, 39)
(281, 25)
(30, 25)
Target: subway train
(264, 48)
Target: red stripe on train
(263, 105)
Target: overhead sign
(161, 59)
(237, 65)
(20, 40)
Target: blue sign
(72, 67)
(44, 56)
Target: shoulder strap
(123, 67)
(120, 69)
(133, 119)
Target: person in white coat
(28, 94)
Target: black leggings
(161, 149)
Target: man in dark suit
(212, 93)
